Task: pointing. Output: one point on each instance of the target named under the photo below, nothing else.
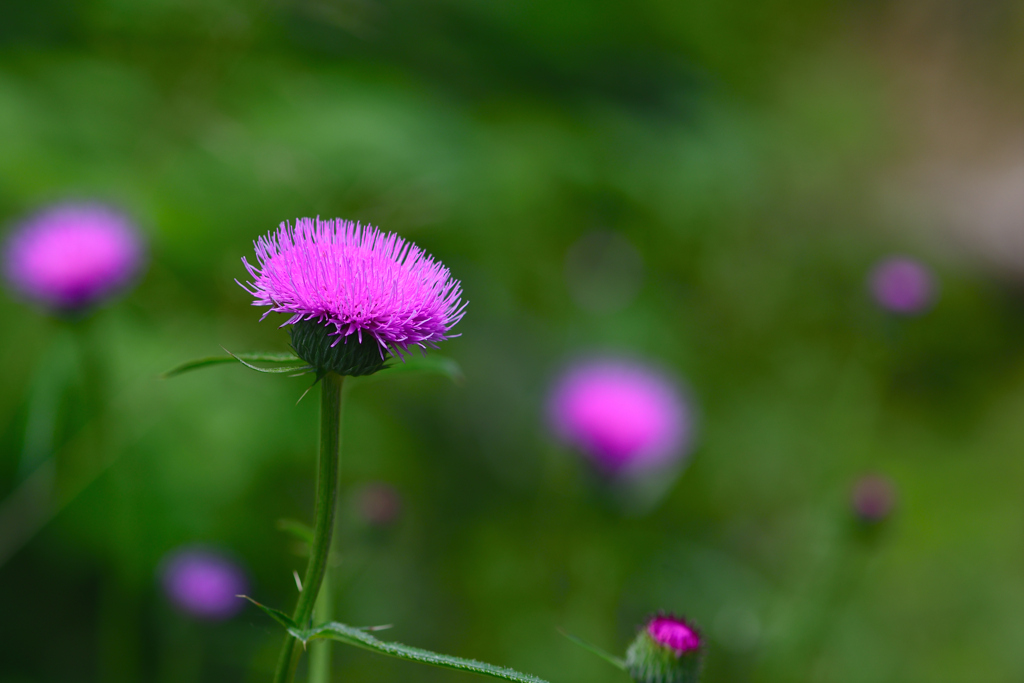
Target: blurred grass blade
(594, 649)
(360, 638)
(297, 529)
(280, 617)
(427, 365)
(244, 358)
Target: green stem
(320, 650)
(326, 502)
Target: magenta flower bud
(72, 256)
(353, 293)
(667, 650)
(204, 583)
(873, 498)
(378, 504)
(625, 417)
(902, 285)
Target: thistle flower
(902, 285)
(625, 417)
(353, 293)
(873, 498)
(667, 650)
(203, 583)
(69, 257)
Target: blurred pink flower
(626, 417)
(204, 583)
(873, 498)
(378, 503)
(71, 256)
(902, 285)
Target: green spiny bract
(312, 342)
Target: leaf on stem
(361, 638)
(594, 649)
(244, 358)
(280, 617)
(301, 369)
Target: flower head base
(364, 287)
(319, 346)
(902, 285)
(667, 650)
(203, 583)
(625, 417)
(71, 256)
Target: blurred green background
(758, 156)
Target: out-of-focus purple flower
(873, 498)
(71, 256)
(204, 583)
(358, 280)
(902, 285)
(626, 417)
(378, 503)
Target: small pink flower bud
(378, 504)
(873, 498)
(667, 650)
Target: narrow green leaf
(275, 371)
(297, 529)
(278, 616)
(360, 638)
(260, 356)
(594, 649)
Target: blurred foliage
(735, 144)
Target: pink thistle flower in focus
(625, 417)
(902, 285)
(204, 583)
(358, 281)
(71, 256)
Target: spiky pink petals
(72, 256)
(356, 279)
